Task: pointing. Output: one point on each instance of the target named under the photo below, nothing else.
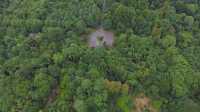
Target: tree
(124, 103)
(42, 84)
(184, 39)
(121, 16)
(62, 100)
(156, 3)
(55, 34)
(168, 41)
(189, 21)
(58, 58)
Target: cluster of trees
(46, 64)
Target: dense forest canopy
(47, 64)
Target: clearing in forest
(101, 38)
(142, 103)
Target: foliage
(46, 64)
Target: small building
(101, 38)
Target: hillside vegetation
(47, 64)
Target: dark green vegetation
(47, 66)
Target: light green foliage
(157, 104)
(189, 20)
(42, 83)
(168, 41)
(58, 58)
(185, 39)
(124, 103)
(192, 8)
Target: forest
(145, 56)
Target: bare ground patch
(142, 103)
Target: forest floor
(101, 37)
(143, 102)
